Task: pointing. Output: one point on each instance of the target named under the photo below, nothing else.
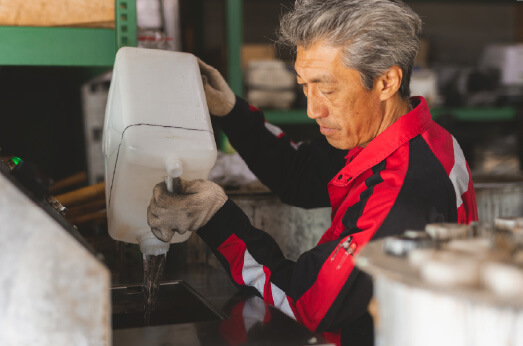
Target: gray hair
(375, 34)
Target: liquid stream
(152, 272)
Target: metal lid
(401, 245)
(448, 231)
(505, 223)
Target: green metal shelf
(234, 23)
(65, 46)
(299, 116)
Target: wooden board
(81, 13)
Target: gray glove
(220, 98)
(188, 208)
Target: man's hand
(188, 208)
(220, 98)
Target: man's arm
(322, 289)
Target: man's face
(348, 114)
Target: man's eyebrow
(319, 79)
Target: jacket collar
(401, 131)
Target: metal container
(498, 196)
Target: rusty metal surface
(498, 196)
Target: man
(354, 59)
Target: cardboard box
(257, 52)
(78, 13)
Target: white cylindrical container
(157, 125)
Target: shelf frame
(126, 27)
(234, 23)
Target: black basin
(177, 303)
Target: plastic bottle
(157, 125)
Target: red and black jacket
(411, 174)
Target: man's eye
(327, 92)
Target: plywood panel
(85, 13)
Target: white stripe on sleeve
(459, 176)
(252, 273)
(280, 301)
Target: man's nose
(315, 106)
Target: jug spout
(150, 245)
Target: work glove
(220, 98)
(188, 208)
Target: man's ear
(389, 83)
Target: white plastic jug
(156, 125)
